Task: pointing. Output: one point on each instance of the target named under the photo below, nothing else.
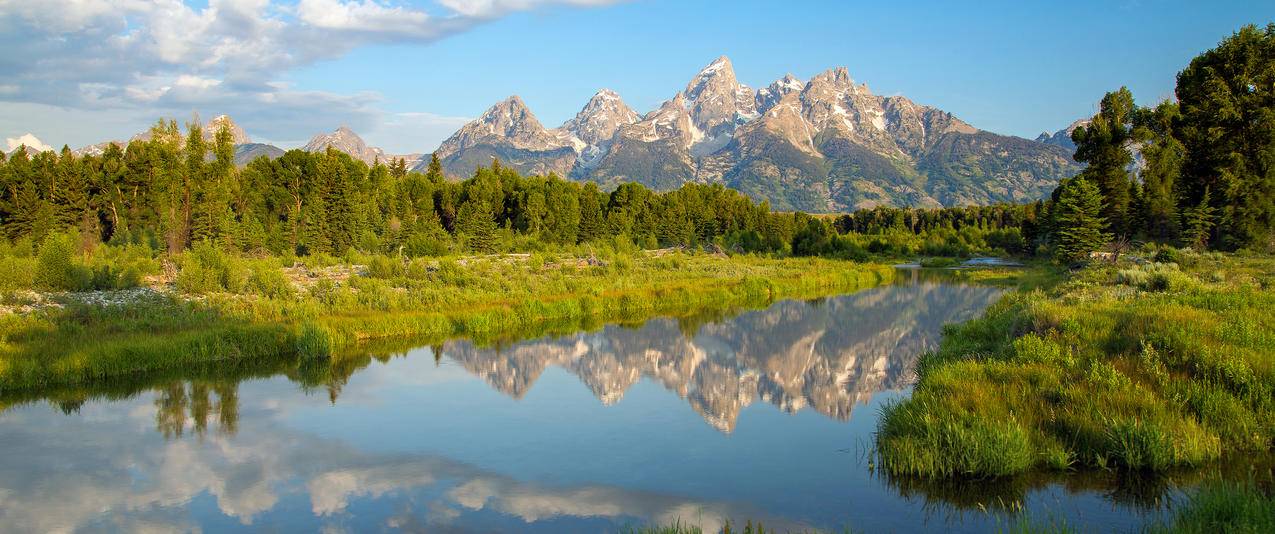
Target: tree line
(1198, 172)
(171, 191)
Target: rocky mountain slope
(824, 145)
(1062, 137)
(345, 140)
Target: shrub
(17, 273)
(56, 268)
(1132, 277)
(268, 281)
(207, 269)
(383, 267)
(419, 245)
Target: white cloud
(496, 8)
(167, 58)
(30, 140)
(365, 16)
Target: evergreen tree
(1227, 96)
(1164, 155)
(477, 226)
(191, 180)
(435, 170)
(592, 224)
(1197, 222)
(1104, 145)
(1079, 221)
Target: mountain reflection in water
(827, 354)
(467, 438)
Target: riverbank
(329, 311)
(1164, 360)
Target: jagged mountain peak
(826, 144)
(599, 119)
(511, 116)
(836, 75)
(717, 103)
(721, 64)
(714, 80)
(345, 140)
(770, 95)
(237, 134)
(1062, 137)
(511, 132)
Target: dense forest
(1203, 176)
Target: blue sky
(406, 74)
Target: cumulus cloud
(29, 140)
(165, 57)
(496, 8)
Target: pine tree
(1078, 222)
(1227, 96)
(1164, 155)
(477, 226)
(435, 170)
(1104, 146)
(1197, 222)
(592, 223)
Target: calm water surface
(765, 415)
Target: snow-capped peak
(722, 62)
(597, 122)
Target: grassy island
(1163, 360)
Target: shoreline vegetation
(1163, 360)
(429, 301)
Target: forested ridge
(1206, 179)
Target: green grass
(1142, 367)
(1229, 507)
(488, 299)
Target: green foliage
(56, 267)
(1197, 223)
(262, 315)
(208, 269)
(1078, 214)
(476, 224)
(1140, 366)
(1104, 145)
(1231, 507)
(1227, 98)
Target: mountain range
(827, 144)
(1062, 137)
(823, 145)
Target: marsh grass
(1142, 367)
(242, 308)
(1230, 507)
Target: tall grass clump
(1240, 507)
(1145, 366)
